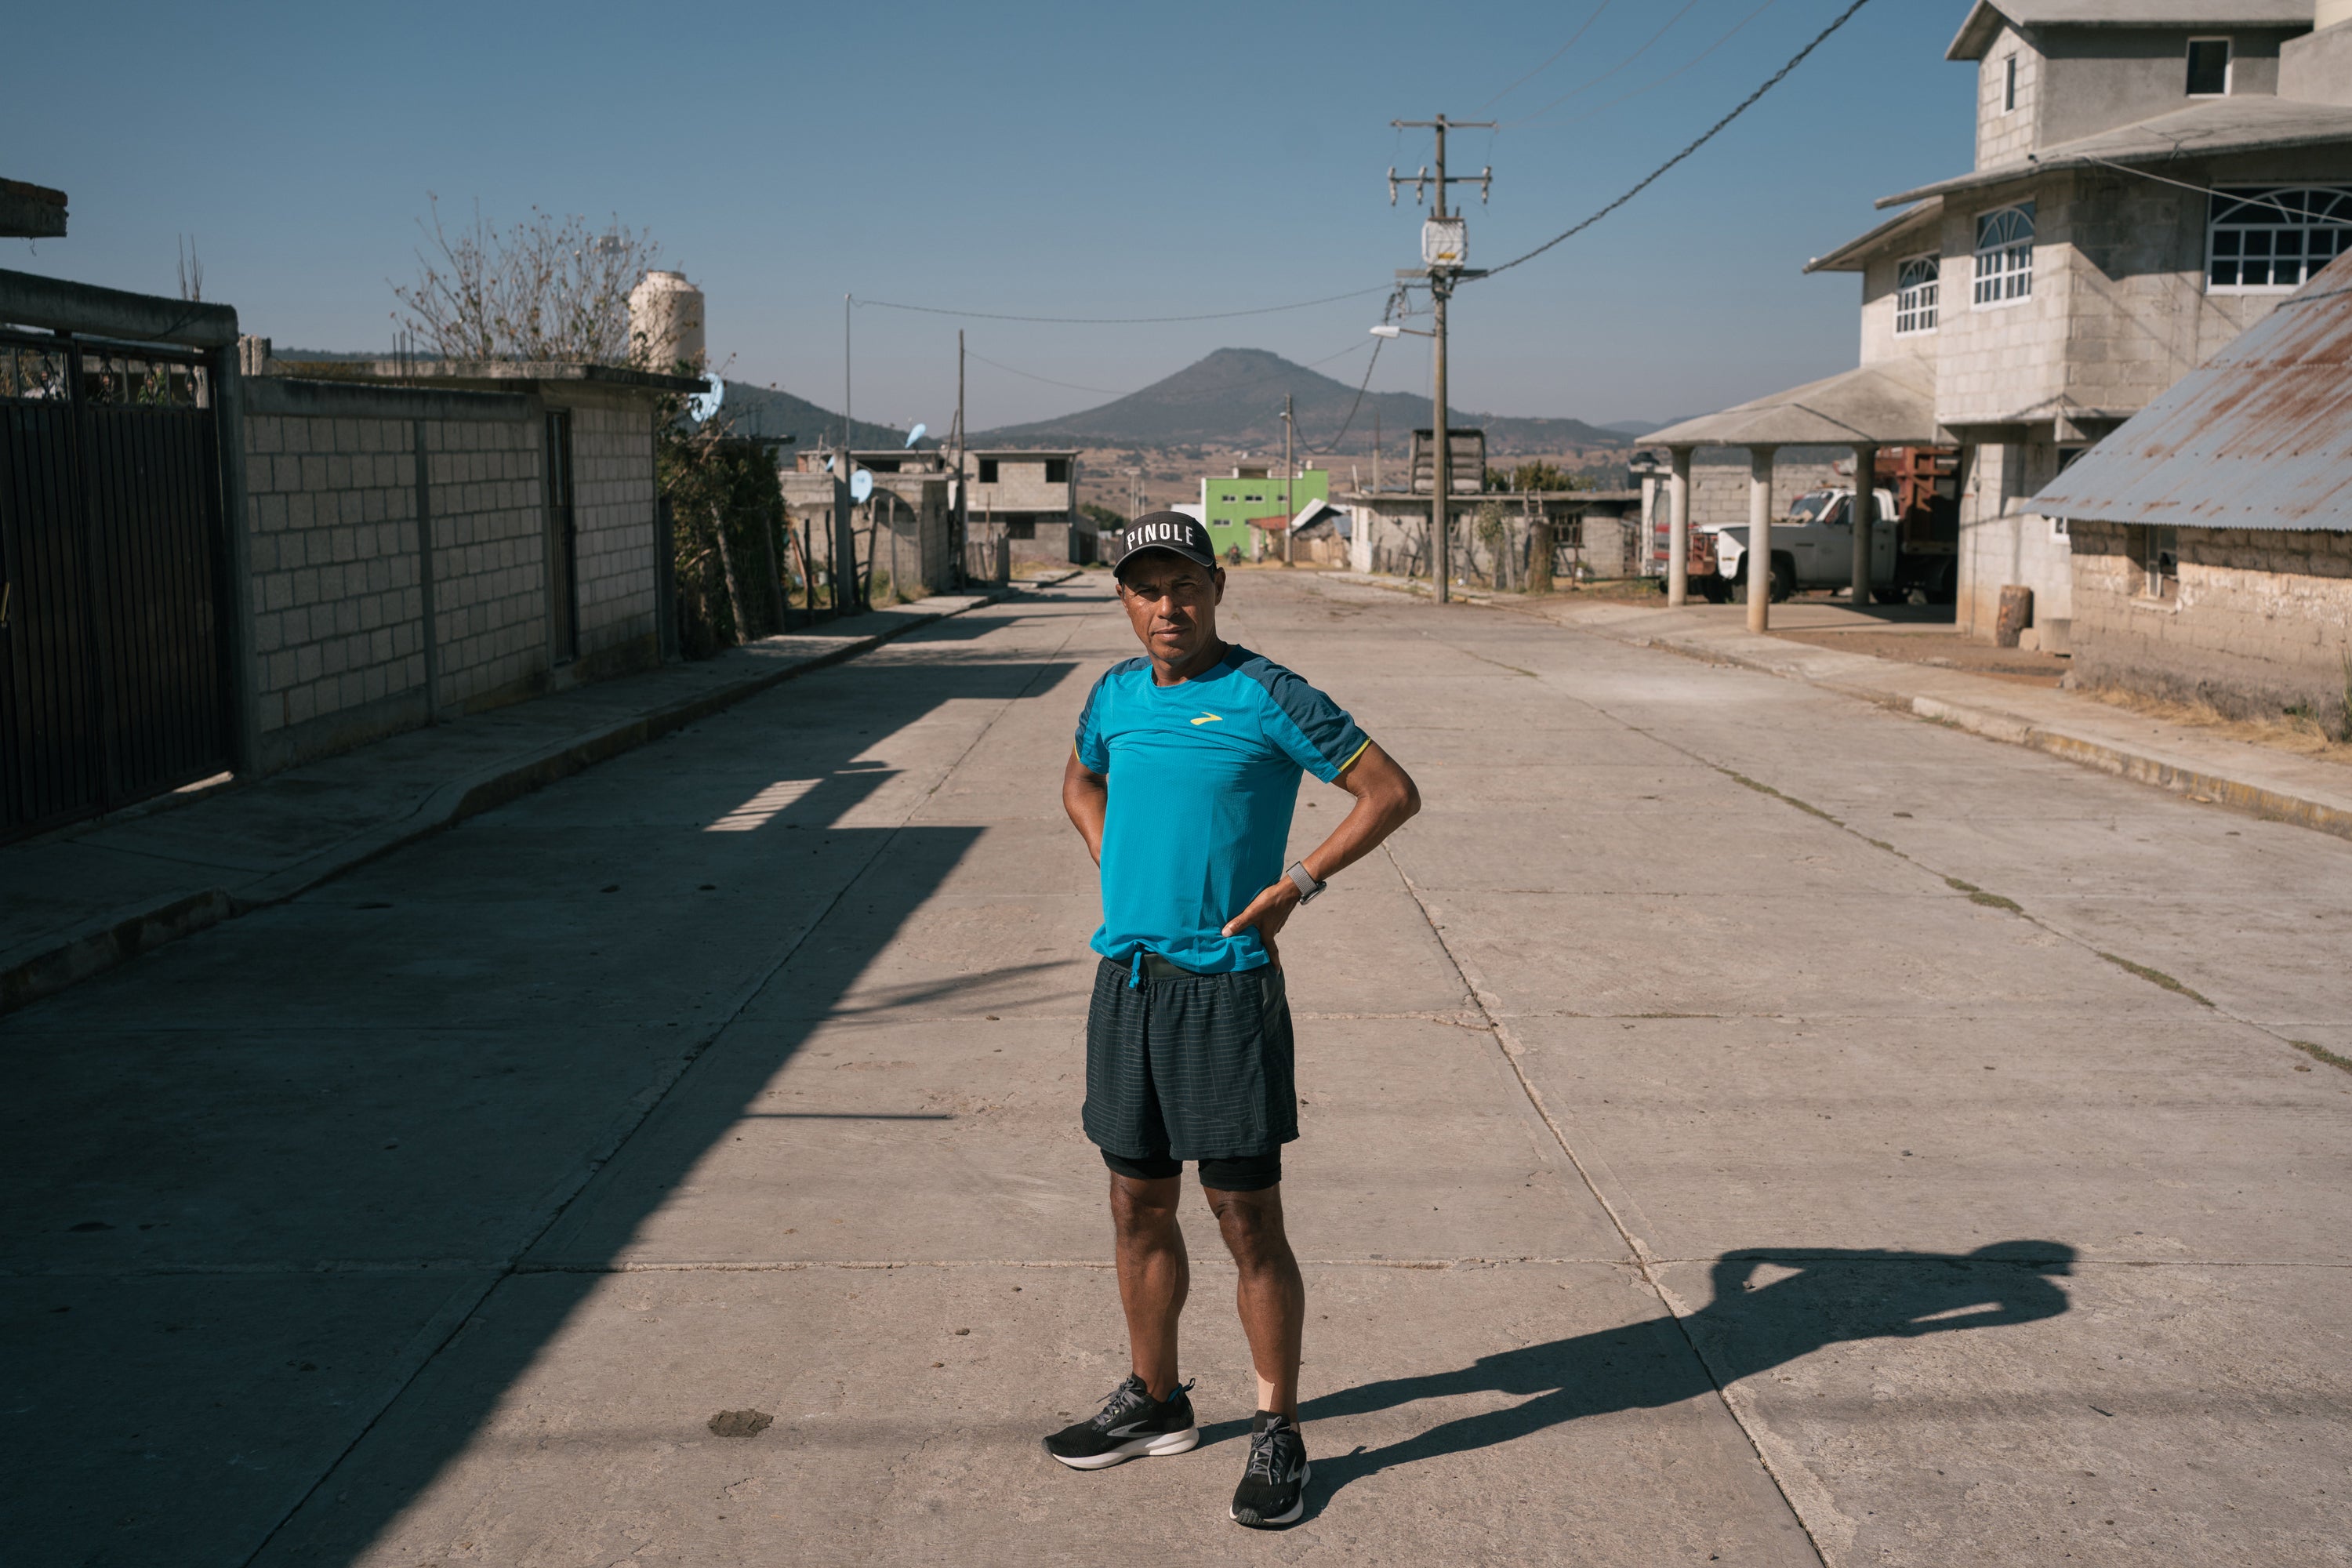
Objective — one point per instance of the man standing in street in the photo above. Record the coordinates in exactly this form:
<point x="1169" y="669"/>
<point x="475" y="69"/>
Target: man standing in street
<point x="1182" y="782"/>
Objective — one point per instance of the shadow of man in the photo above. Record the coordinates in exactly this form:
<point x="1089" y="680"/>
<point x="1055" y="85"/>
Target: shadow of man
<point x="1828" y="1297"/>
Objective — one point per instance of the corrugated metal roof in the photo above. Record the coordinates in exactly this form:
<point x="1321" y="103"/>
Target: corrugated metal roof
<point x="2260" y="436"/>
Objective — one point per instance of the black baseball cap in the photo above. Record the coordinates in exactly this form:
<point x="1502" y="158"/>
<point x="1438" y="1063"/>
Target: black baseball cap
<point x="1171" y="531"/>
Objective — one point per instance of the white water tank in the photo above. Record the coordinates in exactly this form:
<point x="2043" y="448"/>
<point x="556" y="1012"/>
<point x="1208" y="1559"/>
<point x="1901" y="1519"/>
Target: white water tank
<point x="666" y="322"/>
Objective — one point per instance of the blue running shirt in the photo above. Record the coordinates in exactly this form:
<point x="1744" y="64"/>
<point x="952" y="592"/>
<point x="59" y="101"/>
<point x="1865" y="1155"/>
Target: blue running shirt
<point x="1203" y="777"/>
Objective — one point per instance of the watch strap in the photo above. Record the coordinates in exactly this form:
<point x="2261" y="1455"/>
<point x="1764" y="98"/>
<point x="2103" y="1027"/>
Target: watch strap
<point x="1303" y="881"/>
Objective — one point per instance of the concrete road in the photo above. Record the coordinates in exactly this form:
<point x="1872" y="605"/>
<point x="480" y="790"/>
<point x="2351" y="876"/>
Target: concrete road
<point x="1739" y="1126"/>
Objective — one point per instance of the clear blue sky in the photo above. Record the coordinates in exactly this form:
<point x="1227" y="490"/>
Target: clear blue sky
<point x="1050" y="159"/>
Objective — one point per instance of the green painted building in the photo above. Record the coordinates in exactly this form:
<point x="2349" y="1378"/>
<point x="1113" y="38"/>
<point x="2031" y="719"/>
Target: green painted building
<point x="1229" y="502"/>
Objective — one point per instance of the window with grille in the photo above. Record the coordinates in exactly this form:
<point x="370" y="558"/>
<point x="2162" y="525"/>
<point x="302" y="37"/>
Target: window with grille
<point x="1915" y="296"/>
<point x="1057" y="471"/>
<point x="2274" y="239"/>
<point x="988" y="470"/>
<point x="2004" y="259"/>
<point x="1020" y="528"/>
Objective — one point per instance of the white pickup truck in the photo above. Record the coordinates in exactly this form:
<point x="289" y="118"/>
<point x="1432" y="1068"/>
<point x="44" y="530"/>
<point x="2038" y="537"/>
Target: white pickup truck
<point x="1812" y="547"/>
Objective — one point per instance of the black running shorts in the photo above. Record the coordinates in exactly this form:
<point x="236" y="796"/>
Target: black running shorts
<point x="1188" y="1067"/>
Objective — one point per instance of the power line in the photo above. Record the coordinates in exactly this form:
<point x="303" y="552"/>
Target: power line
<point x="1124" y="321"/>
<point x="1334" y="446"/>
<point x="1547" y="58"/>
<point x="1706" y="136"/>
<point x="1612" y="71"/>
<point x="1599" y="110"/>
<point x="1049" y="381"/>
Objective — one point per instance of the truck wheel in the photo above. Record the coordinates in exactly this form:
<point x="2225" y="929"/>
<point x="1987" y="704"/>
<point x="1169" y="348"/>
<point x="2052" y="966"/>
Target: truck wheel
<point x="1784" y="577"/>
<point x="1894" y="594"/>
<point x="1735" y="590"/>
<point x="1946" y="588"/>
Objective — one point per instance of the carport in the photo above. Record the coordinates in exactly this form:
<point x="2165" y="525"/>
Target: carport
<point x="1890" y="404"/>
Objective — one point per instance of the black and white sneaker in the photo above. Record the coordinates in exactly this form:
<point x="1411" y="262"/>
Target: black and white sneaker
<point x="1274" y="1484"/>
<point x="1131" y="1424"/>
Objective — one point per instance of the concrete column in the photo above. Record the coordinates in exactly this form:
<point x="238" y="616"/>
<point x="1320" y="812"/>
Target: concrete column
<point x="1760" y="538"/>
<point x="1678" y="483"/>
<point x="1864" y="513"/>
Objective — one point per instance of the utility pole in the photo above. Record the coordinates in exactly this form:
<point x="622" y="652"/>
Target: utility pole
<point x="1444" y="248"/>
<point x="1289" y="471"/>
<point x="1376" y="447"/>
<point x="963" y="498"/>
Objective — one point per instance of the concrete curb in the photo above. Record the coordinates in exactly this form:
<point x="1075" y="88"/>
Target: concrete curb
<point x="2197" y="778"/>
<point x="62" y="959"/>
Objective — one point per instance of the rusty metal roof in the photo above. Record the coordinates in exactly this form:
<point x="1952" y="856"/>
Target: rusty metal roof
<point x="2260" y="436"/>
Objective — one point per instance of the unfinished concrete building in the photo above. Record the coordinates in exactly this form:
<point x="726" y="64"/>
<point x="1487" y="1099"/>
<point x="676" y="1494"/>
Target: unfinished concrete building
<point x="2151" y="178"/>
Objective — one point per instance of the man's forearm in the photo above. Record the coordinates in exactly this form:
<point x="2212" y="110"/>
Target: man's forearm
<point x="1086" y="798"/>
<point x="1368" y="822"/>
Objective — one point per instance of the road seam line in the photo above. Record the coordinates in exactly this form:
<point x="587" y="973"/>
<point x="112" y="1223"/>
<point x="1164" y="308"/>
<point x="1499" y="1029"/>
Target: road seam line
<point x="1643" y="1259"/>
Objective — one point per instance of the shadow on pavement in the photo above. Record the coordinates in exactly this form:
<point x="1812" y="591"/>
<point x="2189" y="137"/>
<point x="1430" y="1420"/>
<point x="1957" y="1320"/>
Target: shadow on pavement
<point x="254" y="1183"/>
<point x="1833" y="1296"/>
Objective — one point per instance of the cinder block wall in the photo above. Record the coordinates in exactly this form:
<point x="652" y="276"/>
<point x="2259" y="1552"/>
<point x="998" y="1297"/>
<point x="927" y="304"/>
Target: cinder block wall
<point x="355" y="630"/>
<point x="613" y="550"/>
<point x="489" y="515"/>
<point x="2003" y="541"/>
<point x="337" y="605"/>
<point x="1720" y="484"/>
<point x="2260" y="623"/>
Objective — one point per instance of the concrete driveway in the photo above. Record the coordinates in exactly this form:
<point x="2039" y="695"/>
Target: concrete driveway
<point x="1740" y="1125"/>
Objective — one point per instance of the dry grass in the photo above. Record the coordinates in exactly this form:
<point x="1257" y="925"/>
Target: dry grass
<point x="2302" y="735"/>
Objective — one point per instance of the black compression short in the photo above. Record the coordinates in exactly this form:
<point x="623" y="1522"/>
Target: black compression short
<point x="1249" y="1173"/>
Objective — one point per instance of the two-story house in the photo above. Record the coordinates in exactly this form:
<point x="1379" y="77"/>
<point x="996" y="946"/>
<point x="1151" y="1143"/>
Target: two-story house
<point x="2151" y="177"/>
<point x="1030" y="499"/>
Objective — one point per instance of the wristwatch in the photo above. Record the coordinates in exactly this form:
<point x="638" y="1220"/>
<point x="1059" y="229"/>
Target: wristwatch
<point x="1303" y="881"/>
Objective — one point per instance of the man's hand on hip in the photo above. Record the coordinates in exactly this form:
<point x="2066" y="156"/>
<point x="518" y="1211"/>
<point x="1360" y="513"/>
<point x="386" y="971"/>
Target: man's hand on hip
<point x="1267" y="913"/>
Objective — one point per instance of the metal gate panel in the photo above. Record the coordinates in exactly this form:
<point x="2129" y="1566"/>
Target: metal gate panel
<point x="51" y="731"/>
<point x="115" y="682"/>
<point x="154" y="484"/>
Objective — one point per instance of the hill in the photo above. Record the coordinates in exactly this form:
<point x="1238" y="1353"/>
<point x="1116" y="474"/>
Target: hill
<point x="1233" y="399"/>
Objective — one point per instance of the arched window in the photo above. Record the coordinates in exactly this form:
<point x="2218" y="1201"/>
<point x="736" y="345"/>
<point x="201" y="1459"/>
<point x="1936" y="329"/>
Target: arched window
<point x="2005" y="254"/>
<point x="1915" y="296"/>
<point x="2264" y="240"/>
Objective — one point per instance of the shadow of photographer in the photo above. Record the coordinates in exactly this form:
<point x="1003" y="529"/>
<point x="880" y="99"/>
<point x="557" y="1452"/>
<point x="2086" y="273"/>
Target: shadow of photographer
<point x="1827" y="1296"/>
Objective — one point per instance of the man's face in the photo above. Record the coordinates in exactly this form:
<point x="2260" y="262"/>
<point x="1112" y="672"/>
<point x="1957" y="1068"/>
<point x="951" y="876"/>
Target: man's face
<point x="1172" y="603"/>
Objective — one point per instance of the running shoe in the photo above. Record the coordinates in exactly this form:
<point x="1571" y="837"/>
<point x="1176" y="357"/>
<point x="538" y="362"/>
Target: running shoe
<point x="1274" y="1483"/>
<point x="1131" y="1424"/>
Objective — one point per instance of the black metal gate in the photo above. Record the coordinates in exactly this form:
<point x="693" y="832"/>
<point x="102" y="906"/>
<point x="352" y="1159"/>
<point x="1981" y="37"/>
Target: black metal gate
<point x="114" y="677"/>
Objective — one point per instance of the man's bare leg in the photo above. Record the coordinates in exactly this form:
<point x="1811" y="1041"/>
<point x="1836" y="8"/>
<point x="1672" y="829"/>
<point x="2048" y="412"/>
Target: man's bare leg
<point x="1154" y="1275"/>
<point x="1271" y="1294"/>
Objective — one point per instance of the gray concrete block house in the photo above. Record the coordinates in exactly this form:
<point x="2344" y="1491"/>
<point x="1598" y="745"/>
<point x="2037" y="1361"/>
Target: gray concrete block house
<point x="2151" y="178"/>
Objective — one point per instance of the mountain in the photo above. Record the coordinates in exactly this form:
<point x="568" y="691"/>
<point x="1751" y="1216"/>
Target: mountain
<point x="765" y="411"/>
<point x="1233" y="399"/>
<point x="1637" y="428"/>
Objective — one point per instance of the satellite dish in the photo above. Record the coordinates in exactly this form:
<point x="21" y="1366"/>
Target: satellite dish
<point x="705" y="403"/>
<point x="861" y="485"/>
<point x="916" y="434"/>
<point x="828" y="462"/>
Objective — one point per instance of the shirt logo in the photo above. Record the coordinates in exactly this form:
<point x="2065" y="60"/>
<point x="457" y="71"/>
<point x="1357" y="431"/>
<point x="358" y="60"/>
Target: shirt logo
<point x="1208" y="717"/>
